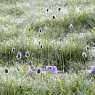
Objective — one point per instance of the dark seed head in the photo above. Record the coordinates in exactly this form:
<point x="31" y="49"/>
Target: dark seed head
<point x="6" y="70"/>
<point x="38" y="71"/>
<point x="20" y="86"/>
<point x="30" y="62"/>
<point x="39" y="43"/>
<point x="47" y="10"/>
<point x="27" y="54"/>
<point x="40" y="30"/>
<point x="60" y="39"/>
<point x="29" y="29"/>
<point x="59" y="9"/>
<point x="19" y="55"/>
<point x="50" y="68"/>
<point x="13" y="50"/>
<point x="53" y="17"/>
<point x="41" y="46"/>
<point x="93" y="57"/>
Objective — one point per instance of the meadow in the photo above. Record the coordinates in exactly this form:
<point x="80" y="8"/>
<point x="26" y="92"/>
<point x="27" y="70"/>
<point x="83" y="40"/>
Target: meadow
<point x="54" y="32"/>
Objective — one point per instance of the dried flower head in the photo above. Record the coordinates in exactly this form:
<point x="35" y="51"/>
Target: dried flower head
<point x="71" y="26"/>
<point x="92" y="43"/>
<point x="19" y="55"/>
<point x="41" y="46"/>
<point x="87" y="47"/>
<point x="27" y="54"/>
<point x="47" y="10"/>
<point x="30" y="62"/>
<point x="53" y="17"/>
<point x="38" y="71"/>
<point x="39" y="42"/>
<point x="6" y="70"/>
<point x="59" y="9"/>
<point x="17" y="66"/>
<point x="84" y="55"/>
<point x="20" y="87"/>
<point x="29" y="29"/>
<point x="13" y="50"/>
<point x="40" y="29"/>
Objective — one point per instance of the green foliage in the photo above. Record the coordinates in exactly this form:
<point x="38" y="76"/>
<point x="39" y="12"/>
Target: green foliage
<point x="53" y="29"/>
<point x="49" y="85"/>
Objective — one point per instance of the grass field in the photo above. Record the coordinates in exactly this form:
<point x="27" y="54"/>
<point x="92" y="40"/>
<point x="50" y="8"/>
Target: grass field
<point x="59" y="32"/>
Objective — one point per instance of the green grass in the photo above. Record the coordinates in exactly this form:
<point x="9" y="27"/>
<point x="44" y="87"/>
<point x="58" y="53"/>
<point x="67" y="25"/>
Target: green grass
<point x="71" y="84"/>
<point x="61" y="45"/>
<point x="56" y="53"/>
<point x="52" y="29"/>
